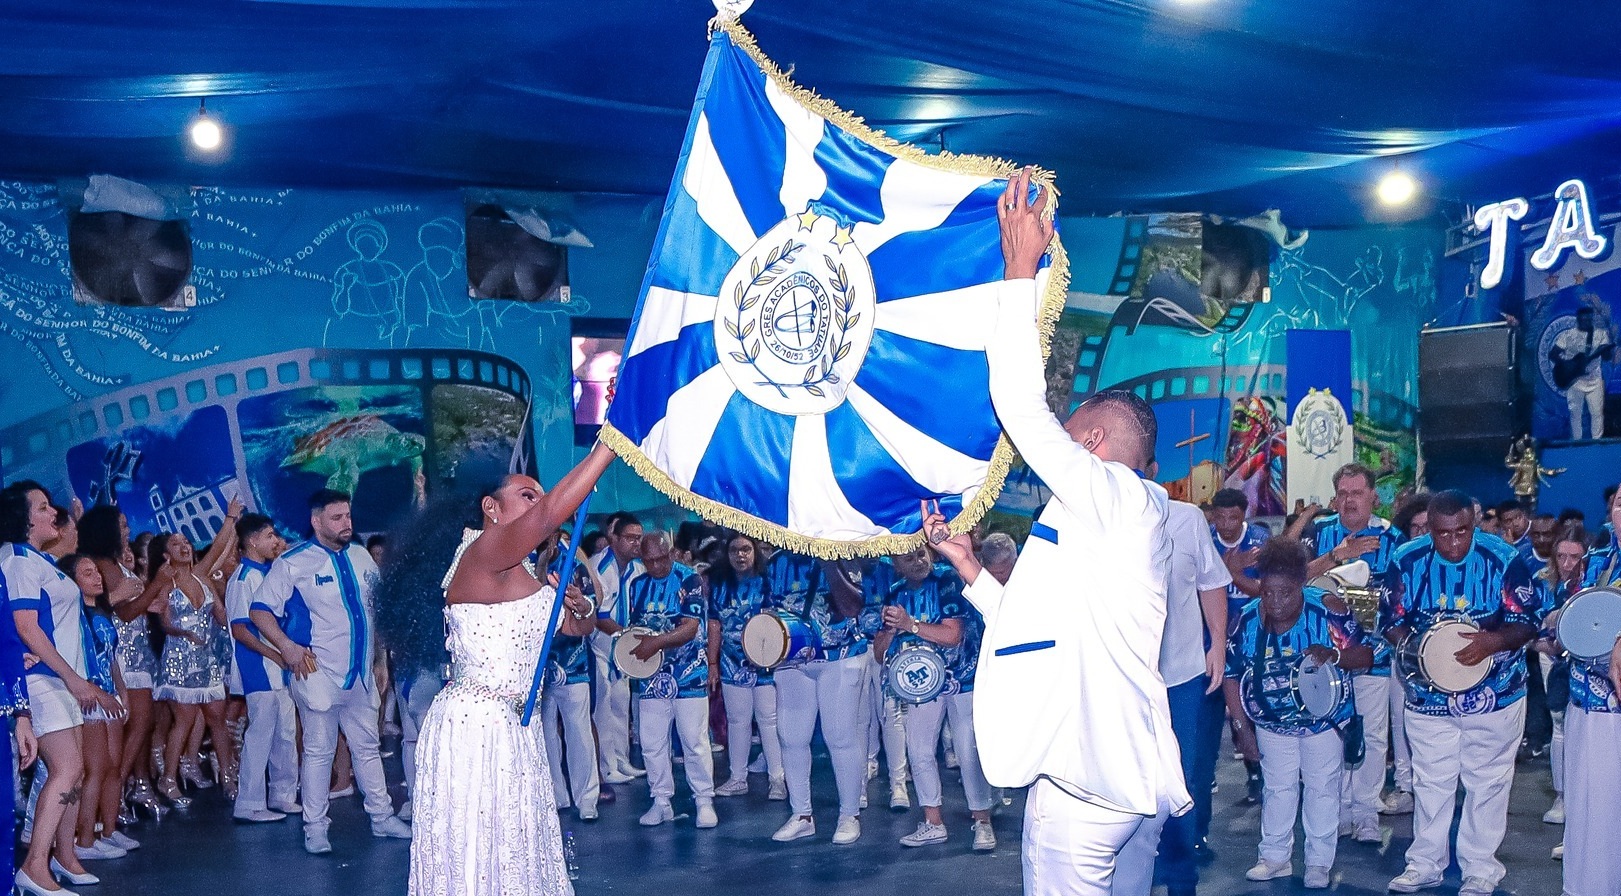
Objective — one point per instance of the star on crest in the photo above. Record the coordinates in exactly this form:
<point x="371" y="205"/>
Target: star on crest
<point x="842" y="238"/>
<point x="1580" y="277"/>
<point x="1552" y="280"/>
<point x="807" y="219"/>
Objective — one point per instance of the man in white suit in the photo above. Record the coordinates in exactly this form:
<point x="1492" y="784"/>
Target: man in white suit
<point x="1069" y="694"/>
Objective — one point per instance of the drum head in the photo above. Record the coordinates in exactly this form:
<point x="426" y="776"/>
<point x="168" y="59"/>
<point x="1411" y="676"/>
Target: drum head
<point x="1437" y="662"/>
<point x="765" y="640"/>
<point x="916" y="674"/>
<point x="1321" y="689"/>
<point x="627" y="662"/>
<point x="1590" y="622"/>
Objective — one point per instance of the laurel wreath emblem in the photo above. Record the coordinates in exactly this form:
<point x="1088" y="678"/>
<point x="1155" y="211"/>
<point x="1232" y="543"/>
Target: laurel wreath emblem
<point x="776" y="264"/>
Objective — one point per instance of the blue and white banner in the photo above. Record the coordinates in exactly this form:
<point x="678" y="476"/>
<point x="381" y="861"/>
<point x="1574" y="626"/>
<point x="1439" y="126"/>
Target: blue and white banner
<point x="1321" y="431"/>
<point x="808" y="356"/>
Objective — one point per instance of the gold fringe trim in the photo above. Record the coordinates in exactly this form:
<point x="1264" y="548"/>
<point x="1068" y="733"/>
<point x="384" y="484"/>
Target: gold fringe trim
<point x="1049" y="311"/>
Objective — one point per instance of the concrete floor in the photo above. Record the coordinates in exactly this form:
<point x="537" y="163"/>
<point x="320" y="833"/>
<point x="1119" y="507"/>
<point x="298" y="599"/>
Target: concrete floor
<point x="201" y="853"/>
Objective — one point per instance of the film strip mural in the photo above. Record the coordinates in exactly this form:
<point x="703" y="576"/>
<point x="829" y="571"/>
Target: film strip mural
<point x="386" y="425"/>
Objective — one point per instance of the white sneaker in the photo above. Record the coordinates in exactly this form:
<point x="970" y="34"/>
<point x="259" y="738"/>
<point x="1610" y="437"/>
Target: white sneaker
<point x="872" y="769"/>
<point x="1347" y="828"/>
<point x="848" y="831"/>
<point x="863" y="804"/>
<point x="341" y="793"/>
<point x="1316" y="877"/>
<point x="1559" y="853"/>
<point x="984" y="837"/>
<point x="1411" y="880"/>
<point x="100" y="849"/>
<point x="951" y="759"/>
<point x="706" y="814"/>
<point x="734" y="787"/>
<point x="123" y="841"/>
<point x="294" y="807"/>
<point x="796" y="828"/>
<point x="316" y="843"/>
<point x="617" y="777"/>
<point x="1368" y="832"/>
<point x="1477" y="886"/>
<point x="899" y="800"/>
<point x="779" y="789"/>
<point x="257" y="816"/>
<point x="658" y="814"/>
<point x="925" y="835"/>
<point x="1264" y="870"/>
<point x="633" y="771"/>
<point x="405" y="811"/>
<point x="588" y="813"/>
<point x="1556" y="812"/>
<point x="1400" y="802"/>
<point x="391" y="827"/>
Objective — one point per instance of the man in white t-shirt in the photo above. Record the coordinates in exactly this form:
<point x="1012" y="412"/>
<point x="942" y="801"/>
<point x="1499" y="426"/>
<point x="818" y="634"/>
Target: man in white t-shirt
<point x="1587" y="391"/>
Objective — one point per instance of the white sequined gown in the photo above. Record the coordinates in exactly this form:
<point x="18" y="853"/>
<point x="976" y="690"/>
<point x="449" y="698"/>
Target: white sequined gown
<point x="485" y="816"/>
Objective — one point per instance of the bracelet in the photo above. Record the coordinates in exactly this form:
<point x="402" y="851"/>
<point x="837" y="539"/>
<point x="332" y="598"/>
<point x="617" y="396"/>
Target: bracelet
<point x="1336" y="660"/>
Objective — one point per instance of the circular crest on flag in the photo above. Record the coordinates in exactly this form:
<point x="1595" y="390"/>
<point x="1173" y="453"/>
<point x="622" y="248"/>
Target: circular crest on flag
<point x="1319" y="423"/>
<point x="796" y="314"/>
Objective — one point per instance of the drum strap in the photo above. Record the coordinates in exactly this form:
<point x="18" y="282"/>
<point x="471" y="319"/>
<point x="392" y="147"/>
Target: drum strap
<point x="1267" y="641"/>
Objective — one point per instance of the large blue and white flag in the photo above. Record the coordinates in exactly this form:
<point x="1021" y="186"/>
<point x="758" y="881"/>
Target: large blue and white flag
<point x="808" y="356"/>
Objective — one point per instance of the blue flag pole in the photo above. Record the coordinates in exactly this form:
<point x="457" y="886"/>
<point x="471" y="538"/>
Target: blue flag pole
<point x="564" y="573"/>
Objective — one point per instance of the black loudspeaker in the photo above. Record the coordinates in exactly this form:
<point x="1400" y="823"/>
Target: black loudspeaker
<point x="1467" y="392"/>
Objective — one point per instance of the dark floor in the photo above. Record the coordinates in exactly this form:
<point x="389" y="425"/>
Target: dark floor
<point x="201" y="852"/>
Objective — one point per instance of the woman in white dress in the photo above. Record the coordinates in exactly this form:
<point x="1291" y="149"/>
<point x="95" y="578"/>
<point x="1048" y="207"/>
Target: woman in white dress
<point x="485" y="815"/>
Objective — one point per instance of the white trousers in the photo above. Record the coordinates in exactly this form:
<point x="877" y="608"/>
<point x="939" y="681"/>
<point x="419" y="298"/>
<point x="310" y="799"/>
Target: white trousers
<point x="885" y="729"/>
<point x="690" y="718"/>
<point x="1072" y="848"/>
<point x="745" y="707"/>
<point x="836" y="693"/>
<point x="1577" y="397"/>
<point x="923" y="724"/>
<point x="325" y="710"/>
<point x="1478" y="751"/>
<point x="1291" y="763"/>
<point x="1399" y="747"/>
<point x="612" y="715"/>
<point x="413" y="707"/>
<point x="1592" y="803"/>
<point x="269" y="750"/>
<point x="1362" y="787"/>
<point x="569" y="706"/>
<point x="1556" y="744"/>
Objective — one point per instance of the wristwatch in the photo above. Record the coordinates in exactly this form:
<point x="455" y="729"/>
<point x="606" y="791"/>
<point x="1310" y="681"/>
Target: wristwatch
<point x="914" y="626"/>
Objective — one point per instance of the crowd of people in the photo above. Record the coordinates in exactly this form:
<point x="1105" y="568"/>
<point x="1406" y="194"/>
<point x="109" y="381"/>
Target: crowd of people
<point x="140" y="670"/>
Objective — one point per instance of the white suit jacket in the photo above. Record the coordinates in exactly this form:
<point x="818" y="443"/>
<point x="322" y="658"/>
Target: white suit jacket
<point x="1068" y="684"/>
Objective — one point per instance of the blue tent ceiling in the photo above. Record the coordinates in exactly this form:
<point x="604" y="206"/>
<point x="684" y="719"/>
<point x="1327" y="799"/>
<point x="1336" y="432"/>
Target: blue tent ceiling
<point x="1224" y="105"/>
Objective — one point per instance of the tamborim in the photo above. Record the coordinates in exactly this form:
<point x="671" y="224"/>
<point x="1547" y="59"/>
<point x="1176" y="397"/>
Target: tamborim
<point x="1430" y="657"/>
<point x="1590" y="622"/>
<point x="624" y="643"/>
<point x="916" y="674"/>
<point x="773" y="639"/>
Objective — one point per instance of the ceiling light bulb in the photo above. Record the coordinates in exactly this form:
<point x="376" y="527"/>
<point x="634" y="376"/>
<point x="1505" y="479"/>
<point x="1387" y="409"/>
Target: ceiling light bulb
<point x="205" y="133"/>
<point x="1397" y="188"/>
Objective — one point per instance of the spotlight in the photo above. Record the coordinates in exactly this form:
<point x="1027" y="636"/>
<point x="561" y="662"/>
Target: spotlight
<point x="1397" y="187"/>
<point x="205" y="131"/>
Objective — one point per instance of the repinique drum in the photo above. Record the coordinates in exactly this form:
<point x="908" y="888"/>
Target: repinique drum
<point x="1294" y="686"/>
<point x="916" y="674"/>
<point x="1320" y="690"/>
<point x="1590" y="622"/>
<point x="624" y="643"/>
<point x="773" y="639"/>
<point x="1430" y="657"/>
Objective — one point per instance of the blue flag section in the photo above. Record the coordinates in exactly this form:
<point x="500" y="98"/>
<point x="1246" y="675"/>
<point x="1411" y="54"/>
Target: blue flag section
<point x="1321" y="434"/>
<point x="807" y="360"/>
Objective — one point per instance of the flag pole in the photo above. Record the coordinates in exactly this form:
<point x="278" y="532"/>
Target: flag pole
<point x="564" y="573"/>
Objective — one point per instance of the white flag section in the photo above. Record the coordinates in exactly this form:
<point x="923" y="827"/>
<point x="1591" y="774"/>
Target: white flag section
<point x="807" y="361"/>
<point x="1320" y="442"/>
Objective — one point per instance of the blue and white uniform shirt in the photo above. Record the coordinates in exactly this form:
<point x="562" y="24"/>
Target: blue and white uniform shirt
<point x="931" y="601"/>
<point x="34" y="583"/>
<point x="1327" y="534"/>
<point x="798" y="584"/>
<point x="323" y="600"/>
<point x="662" y="604"/>
<point x="1489" y="587"/>
<point x="101" y="641"/>
<point x="1263" y="663"/>
<point x="732" y="603"/>
<point x="251" y="673"/>
<point x="1528" y="554"/>
<point x="570" y="658"/>
<point x="13" y="680"/>
<point x="1254" y="536"/>
<point x="1603" y="564"/>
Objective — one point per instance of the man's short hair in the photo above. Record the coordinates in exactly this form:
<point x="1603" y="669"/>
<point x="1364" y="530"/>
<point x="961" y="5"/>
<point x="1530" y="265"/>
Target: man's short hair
<point x="252" y="524"/>
<point x="1355" y="470"/>
<point x="326" y="497"/>
<point x="1609" y="494"/>
<point x="1571" y="515"/>
<point x="1230" y="497"/>
<point x="610" y="525"/>
<point x="1282" y="557"/>
<point x="1450" y="503"/>
<point x="1509" y="507"/>
<point x="625" y="519"/>
<point x="998" y="547"/>
<point x="1133" y="408"/>
<point x="657" y="536"/>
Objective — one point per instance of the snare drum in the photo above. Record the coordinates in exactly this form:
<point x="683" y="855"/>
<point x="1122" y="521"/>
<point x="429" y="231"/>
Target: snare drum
<point x="624" y="642"/>
<point x="1590" y="622"/>
<point x="1430" y="658"/>
<point x="772" y="639"/>
<point x="915" y="674"/>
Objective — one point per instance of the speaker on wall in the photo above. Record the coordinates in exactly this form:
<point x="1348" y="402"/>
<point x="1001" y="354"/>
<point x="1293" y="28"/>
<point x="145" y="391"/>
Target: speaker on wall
<point x="1467" y="391"/>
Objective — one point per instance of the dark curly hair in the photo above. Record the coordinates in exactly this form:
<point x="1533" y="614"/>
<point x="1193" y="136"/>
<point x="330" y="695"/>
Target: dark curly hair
<point x="1283" y="557"/>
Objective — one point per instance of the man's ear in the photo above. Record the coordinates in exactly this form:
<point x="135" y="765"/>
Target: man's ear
<point x="1153" y="470"/>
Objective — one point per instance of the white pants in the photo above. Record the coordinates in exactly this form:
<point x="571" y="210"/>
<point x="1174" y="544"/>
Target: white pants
<point x="1362" y="787"/>
<point x="690" y="717"/>
<point x="1402" y="751"/>
<point x="1556" y="744"/>
<point x="837" y="693"/>
<point x="745" y="707"/>
<point x="569" y="705"/>
<point x="885" y="729"/>
<point x="1479" y="751"/>
<point x="325" y="710"/>
<point x="1577" y="397"/>
<point x="1592" y="804"/>
<point x="269" y="747"/>
<point x="612" y="716"/>
<point x="1072" y="848"/>
<point x="413" y="707"/>
<point x="1290" y="763"/>
<point x="923" y="723"/>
